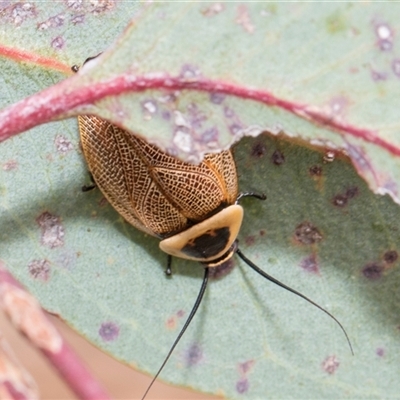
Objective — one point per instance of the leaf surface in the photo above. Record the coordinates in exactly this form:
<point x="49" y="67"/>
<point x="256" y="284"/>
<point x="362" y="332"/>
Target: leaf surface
<point x="106" y="278"/>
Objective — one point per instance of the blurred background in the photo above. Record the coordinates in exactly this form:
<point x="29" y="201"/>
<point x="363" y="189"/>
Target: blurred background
<point x="120" y="381"/>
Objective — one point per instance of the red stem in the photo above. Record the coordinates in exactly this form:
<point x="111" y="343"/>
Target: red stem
<point x="66" y="96"/>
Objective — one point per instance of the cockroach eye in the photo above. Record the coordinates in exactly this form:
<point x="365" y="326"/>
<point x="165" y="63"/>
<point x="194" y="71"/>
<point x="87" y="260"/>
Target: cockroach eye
<point x="192" y="209"/>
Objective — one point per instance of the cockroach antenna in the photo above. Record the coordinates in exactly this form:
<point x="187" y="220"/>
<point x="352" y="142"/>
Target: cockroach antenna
<point x="282" y="285"/>
<point x="189" y="319"/>
<point x="199" y="298"/>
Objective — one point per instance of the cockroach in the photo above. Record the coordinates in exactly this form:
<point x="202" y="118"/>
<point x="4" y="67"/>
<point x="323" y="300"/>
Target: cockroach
<point x="193" y="209"/>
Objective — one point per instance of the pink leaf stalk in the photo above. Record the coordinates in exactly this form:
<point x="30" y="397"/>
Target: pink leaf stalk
<point x="27" y="315"/>
<point x="69" y="97"/>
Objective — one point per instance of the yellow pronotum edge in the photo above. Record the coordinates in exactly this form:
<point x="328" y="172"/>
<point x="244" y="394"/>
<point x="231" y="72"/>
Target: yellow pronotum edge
<point x="230" y="216"/>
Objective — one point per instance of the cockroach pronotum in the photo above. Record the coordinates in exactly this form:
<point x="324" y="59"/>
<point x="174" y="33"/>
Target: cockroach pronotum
<point x="193" y="209"/>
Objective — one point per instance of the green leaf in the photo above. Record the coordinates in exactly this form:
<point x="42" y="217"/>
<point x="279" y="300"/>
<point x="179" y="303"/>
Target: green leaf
<point x="321" y="231"/>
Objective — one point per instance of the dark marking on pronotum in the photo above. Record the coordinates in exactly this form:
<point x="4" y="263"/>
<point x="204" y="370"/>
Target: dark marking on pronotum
<point x="278" y="158"/>
<point x="307" y="233"/>
<point x="373" y="271"/>
<point x="209" y="244"/>
<point x="109" y="331"/>
<point x="39" y="269"/>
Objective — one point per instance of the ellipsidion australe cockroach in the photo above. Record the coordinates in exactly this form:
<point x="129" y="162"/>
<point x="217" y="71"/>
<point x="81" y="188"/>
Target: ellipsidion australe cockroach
<point x="193" y="209"/>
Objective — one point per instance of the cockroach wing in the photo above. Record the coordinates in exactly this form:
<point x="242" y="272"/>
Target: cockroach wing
<point x="197" y="191"/>
<point x="153" y="191"/>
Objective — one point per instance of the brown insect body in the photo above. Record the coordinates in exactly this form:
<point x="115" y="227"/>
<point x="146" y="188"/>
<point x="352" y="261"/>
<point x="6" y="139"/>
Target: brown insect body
<point x="163" y="196"/>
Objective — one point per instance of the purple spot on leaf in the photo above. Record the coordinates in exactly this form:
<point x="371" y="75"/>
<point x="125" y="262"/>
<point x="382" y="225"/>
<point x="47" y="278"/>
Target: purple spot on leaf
<point x="373" y="271"/>
<point x="378" y="76"/>
<point x="78" y="19"/>
<point x="52" y="231"/>
<point x="310" y="264"/>
<point x="259" y="150"/>
<point x="57" y="43"/>
<point x="63" y="145"/>
<point x="380" y="352"/>
<point x="250" y="240"/>
<point x="235" y="128"/>
<point x="52" y="22"/>
<point x="396" y="67"/>
<point x="385" y="45"/>
<point x="193" y="355"/>
<point x="39" y="269"/>
<point x="228" y="112"/>
<point x="166" y="115"/>
<point x="307" y="233"/>
<point x="242" y="386"/>
<point x="189" y="73"/>
<point x="315" y="170"/>
<point x="385" y="36"/>
<point x="10" y="165"/>
<point x="217" y="98"/>
<point x="99" y="7"/>
<point x="109" y="331"/>
<point x="278" y="158"/>
<point x="246" y="366"/>
<point x="196" y="116"/>
<point x="390" y="256"/>
<point x="19" y="12"/>
<point x="74" y="4"/>
<point x="210" y="135"/>
<point x="330" y="364"/>
<point x="339" y="200"/>
<point x="222" y="269"/>
<point x="352" y="192"/>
